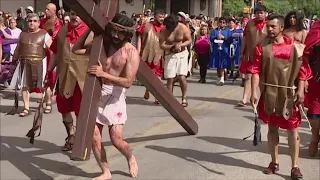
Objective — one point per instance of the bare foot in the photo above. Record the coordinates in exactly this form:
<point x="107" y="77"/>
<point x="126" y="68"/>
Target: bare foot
<point x="133" y="167"/>
<point x="104" y="176"/>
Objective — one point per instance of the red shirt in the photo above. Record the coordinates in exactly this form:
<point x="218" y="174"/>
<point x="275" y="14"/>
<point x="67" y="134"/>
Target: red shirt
<point x="72" y="36"/>
<point x="157" y="28"/>
<point x="259" y="24"/>
<point x="281" y="51"/>
<point x="57" y="25"/>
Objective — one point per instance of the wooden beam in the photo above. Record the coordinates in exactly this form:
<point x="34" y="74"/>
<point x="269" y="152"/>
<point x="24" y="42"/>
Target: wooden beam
<point x="95" y="17"/>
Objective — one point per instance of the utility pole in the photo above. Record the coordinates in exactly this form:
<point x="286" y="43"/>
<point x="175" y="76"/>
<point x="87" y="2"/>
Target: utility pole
<point x="252" y="7"/>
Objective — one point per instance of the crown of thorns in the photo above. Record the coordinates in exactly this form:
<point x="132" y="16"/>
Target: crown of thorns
<point x="120" y="27"/>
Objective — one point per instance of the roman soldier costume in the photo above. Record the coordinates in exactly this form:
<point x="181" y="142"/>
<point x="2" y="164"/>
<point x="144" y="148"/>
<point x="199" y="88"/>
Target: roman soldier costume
<point x="71" y="70"/>
<point x="254" y="33"/>
<point x="151" y="52"/>
<point x="52" y="25"/>
<point x="279" y="66"/>
<point x="312" y="54"/>
<point x="31" y="53"/>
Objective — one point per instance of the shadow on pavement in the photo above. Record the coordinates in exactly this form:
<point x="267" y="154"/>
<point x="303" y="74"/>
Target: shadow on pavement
<point x="304" y="138"/>
<point x="93" y="175"/>
<point x="29" y="162"/>
<point x="150" y="138"/>
<point x="140" y="101"/>
<point x="217" y="158"/>
<point x="7" y="108"/>
<point x="214" y="99"/>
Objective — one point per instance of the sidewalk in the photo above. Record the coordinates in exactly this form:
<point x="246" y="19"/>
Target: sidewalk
<point x="161" y="146"/>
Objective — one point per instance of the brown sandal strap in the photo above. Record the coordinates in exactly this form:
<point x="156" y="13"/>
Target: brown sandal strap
<point x="271" y="169"/>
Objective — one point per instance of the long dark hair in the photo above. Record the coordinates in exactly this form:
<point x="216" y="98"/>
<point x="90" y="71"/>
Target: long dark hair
<point x="299" y="20"/>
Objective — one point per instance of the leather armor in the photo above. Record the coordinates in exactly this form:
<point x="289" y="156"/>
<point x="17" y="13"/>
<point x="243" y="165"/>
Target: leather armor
<point x="150" y="47"/>
<point x="279" y="72"/>
<point x="71" y="68"/>
<point x="31" y="46"/>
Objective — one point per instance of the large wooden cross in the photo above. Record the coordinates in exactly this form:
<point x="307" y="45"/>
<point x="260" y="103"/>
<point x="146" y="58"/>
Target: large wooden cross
<point x="95" y="16"/>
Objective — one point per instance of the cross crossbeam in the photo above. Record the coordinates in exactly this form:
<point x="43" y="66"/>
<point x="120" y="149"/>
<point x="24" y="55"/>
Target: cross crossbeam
<point x="95" y="16"/>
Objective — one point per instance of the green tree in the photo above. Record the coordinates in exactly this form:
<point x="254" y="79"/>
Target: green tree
<point x="232" y="7"/>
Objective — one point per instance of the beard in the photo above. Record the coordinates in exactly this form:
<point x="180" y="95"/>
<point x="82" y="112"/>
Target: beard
<point x="115" y="42"/>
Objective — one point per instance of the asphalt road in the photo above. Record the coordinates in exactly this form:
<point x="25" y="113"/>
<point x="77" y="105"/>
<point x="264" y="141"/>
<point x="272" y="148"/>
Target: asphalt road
<point x="161" y="146"/>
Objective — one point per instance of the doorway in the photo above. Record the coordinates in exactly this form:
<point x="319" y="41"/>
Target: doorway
<point x="180" y="5"/>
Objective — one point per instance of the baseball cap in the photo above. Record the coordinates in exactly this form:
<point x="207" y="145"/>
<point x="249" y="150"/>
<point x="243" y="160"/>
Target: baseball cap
<point x="30" y="8"/>
<point x="182" y="14"/>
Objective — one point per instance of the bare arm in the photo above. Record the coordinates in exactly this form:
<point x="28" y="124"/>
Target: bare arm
<point x="52" y="63"/>
<point x="255" y="83"/>
<point x="187" y="38"/>
<point x="162" y="41"/>
<point x="243" y="45"/>
<point x="0" y="51"/>
<point x="130" y="69"/>
<point x="80" y="47"/>
<point x="48" y="43"/>
<point x="5" y="34"/>
<point x="139" y="41"/>
<point x="304" y="35"/>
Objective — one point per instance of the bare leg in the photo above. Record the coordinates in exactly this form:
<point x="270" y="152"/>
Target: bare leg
<point x="26" y="102"/>
<point x="115" y="133"/>
<point x="48" y="95"/>
<point x="146" y="94"/>
<point x="100" y="153"/>
<point x="170" y="84"/>
<point x="294" y="143"/>
<point x="221" y="75"/>
<point x="48" y="101"/>
<point x="247" y="88"/>
<point x="183" y="85"/>
<point x="71" y="130"/>
<point x="313" y="147"/>
<point x="273" y="141"/>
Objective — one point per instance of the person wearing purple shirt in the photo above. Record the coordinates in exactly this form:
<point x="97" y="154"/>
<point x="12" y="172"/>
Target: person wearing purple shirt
<point x="5" y="33"/>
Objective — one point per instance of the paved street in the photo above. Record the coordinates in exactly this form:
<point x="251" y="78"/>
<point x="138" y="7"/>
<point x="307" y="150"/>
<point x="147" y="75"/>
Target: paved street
<point x="161" y="146"/>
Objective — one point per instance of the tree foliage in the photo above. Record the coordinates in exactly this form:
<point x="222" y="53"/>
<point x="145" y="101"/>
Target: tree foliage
<point x="310" y="7"/>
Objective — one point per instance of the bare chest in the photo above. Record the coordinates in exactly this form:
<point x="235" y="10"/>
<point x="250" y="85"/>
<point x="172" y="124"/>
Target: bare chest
<point x="115" y="63"/>
<point x="297" y="36"/>
<point x="175" y="36"/>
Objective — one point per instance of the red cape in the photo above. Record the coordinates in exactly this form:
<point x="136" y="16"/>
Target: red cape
<point x="313" y="36"/>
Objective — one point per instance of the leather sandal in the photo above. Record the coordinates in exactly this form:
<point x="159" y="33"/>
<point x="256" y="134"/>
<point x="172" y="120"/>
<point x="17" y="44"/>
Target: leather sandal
<point x="69" y="143"/>
<point x="48" y="110"/>
<point x="25" y="113"/>
<point x="184" y="102"/>
<point x="146" y="95"/>
<point x="271" y="169"/>
<point x="296" y="174"/>
<point x="241" y="104"/>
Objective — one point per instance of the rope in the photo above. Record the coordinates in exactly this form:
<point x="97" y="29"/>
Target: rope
<point x="279" y="86"/>
<point x="301" y="108"/>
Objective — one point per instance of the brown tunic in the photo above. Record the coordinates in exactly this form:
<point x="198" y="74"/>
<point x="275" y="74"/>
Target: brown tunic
<point x="71" y="68"/>
<point x="253" y="37"/>
<point x="278" y="79"/>
<point x="31" y="53"/>
<point x="150" y="46"/>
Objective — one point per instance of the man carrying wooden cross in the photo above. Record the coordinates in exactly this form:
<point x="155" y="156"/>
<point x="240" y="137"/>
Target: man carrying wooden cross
<point x="117" y="73"/>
